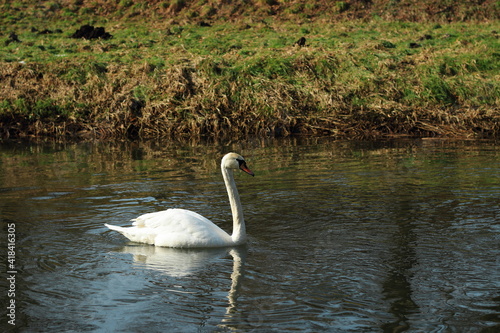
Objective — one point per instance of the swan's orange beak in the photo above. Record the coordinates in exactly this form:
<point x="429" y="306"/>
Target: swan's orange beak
<point x="243" y="166"/>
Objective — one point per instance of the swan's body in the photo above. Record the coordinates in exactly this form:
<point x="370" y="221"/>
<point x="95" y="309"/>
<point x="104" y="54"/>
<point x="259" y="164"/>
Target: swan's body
<point x="187" y="229"/>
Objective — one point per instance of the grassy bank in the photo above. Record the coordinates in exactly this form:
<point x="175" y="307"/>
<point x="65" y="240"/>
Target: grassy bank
<point x="365" y="78"/>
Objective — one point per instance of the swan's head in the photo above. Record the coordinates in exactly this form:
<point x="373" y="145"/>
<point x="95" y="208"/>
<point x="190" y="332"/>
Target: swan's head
<point x="235" y="161"/>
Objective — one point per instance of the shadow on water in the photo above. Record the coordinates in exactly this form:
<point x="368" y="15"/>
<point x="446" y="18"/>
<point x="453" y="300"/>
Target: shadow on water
<point x="398" y="287"/>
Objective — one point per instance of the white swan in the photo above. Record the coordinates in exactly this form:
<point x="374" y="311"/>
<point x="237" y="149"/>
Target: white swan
<point x="186" y="229"/>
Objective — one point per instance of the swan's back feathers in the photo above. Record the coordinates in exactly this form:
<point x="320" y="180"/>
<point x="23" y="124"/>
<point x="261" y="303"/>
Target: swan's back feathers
<point x="168" y="218"/>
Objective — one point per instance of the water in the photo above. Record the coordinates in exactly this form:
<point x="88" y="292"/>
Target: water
<point x="343" y="237"/>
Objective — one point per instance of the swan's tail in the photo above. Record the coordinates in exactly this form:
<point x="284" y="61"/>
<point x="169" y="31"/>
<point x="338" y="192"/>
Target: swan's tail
<point x="140" y="235"/>
<point x="115" y="228"/>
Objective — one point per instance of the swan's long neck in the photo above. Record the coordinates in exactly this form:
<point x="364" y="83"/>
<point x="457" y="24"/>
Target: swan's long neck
<point x="239" y="232"/>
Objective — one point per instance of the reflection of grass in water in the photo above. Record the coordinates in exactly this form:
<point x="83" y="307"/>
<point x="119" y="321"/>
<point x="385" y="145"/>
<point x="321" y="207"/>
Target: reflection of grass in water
<point x="355" y="79"/>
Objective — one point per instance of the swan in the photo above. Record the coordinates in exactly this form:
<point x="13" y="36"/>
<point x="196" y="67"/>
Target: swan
<point x="181" y="228"/>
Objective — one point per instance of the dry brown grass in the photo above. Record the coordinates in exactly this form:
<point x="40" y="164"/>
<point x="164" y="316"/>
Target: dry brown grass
<point x="184" y="101"/>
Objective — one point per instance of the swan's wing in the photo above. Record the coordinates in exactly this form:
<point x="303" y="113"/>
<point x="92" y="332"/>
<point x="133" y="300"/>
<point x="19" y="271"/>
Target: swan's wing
<point x="182" y="228"/>
<point x="175" y="228"/>
<point x="170" y="218"/>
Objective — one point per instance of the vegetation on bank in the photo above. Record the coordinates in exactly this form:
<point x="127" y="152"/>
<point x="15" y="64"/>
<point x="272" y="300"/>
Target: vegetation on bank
<point x="180" y="69"/>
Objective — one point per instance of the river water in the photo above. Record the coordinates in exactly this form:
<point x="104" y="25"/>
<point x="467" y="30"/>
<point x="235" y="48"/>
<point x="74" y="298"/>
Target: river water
<point x="343" y="237"/>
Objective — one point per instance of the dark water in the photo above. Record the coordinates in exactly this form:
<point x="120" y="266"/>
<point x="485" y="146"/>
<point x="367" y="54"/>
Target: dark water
<point x="343" y="237"/>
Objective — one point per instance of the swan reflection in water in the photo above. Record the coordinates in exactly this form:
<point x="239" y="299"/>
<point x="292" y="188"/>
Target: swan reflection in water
<point x="184" y="262"/>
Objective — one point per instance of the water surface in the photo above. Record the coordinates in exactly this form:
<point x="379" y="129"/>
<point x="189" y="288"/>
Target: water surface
<point x="343" y="237"/>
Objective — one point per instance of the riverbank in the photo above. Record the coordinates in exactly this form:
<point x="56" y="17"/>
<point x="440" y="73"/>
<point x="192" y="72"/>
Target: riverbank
<point x="207" y="76"/>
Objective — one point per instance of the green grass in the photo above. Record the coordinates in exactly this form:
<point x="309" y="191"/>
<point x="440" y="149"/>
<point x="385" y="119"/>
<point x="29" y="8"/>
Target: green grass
<point x="250" y="78"/>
